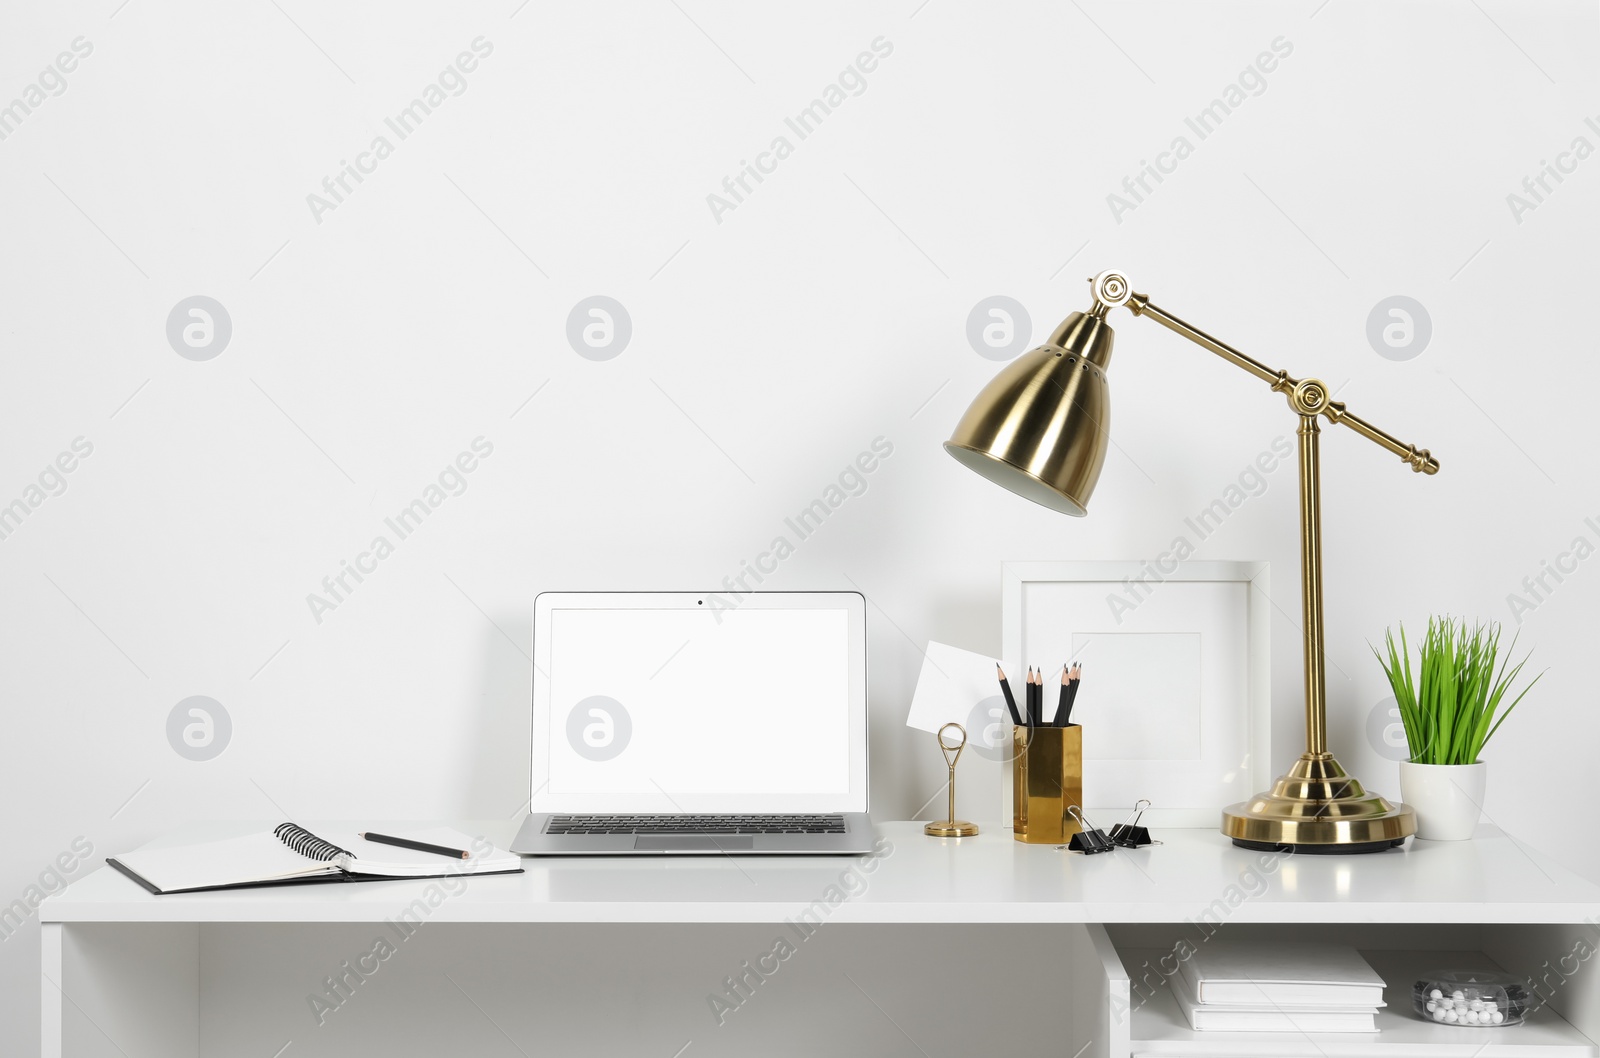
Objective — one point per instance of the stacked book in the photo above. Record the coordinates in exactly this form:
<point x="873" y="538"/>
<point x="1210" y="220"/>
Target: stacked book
<point x="1246" y="986"/>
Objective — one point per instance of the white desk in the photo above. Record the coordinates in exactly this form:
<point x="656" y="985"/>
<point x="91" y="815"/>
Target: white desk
<point x="130" y="963"/>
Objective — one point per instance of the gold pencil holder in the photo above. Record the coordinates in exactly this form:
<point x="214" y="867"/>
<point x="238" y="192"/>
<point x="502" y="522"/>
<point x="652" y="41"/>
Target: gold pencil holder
<point x="1046" y="780"/>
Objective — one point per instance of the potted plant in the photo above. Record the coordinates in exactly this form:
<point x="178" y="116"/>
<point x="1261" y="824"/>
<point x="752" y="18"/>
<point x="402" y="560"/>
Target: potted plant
<point x="1450" y="707"/>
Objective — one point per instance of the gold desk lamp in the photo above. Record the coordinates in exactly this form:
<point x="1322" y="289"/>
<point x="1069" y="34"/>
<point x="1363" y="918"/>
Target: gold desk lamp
<point x="1041" y="429"/>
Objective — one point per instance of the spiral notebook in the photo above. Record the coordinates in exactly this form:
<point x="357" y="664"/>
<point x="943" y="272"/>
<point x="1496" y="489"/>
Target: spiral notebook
<point x="291" y="854"/>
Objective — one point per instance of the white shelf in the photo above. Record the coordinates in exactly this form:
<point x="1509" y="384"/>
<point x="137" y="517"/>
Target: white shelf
<point x="1161" y="1031"/>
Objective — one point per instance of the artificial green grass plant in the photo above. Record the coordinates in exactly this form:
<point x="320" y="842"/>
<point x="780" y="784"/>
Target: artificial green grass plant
<point x="1450" y="708"/>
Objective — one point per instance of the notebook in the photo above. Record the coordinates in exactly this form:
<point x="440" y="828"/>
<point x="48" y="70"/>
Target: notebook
<point x="291" y="854"/>
<point x="1264" y="1018"/>
<point x="1262" y="973"/>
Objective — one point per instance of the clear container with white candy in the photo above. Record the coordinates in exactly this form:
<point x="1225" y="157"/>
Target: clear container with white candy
<point x="1483" y="999"/>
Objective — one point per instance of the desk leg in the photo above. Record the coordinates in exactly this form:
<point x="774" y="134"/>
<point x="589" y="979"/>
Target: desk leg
<point x="49" y="989"/>
<point x="136" y="985"/>
<point x="1104" y="1028"/>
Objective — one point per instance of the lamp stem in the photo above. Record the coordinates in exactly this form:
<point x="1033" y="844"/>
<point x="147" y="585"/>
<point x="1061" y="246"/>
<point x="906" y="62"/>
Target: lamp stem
<point x="1311" y="586"/>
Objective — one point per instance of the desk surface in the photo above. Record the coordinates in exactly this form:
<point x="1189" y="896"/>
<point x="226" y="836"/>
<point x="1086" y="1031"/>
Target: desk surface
<point x="990" y="878"/>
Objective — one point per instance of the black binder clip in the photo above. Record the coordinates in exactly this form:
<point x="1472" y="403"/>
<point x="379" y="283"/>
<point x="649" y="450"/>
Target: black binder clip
<point x="1089" y="840"/>
<point x="1131" y="835"/>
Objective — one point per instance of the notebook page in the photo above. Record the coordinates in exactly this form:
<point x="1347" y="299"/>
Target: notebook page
<point x="372" y="857"/>
<point x="232" y="861"/>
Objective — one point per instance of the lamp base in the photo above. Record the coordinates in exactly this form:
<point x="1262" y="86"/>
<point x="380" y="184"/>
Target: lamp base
<point x="1318" y="808"/>
<point x="950" y="828"/>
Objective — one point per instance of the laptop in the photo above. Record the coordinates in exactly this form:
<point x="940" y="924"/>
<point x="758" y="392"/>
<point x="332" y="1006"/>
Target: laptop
<point x="683" y="723"/>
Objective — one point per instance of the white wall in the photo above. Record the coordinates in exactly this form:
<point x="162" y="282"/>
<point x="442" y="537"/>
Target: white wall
<point x="769" y="345"/>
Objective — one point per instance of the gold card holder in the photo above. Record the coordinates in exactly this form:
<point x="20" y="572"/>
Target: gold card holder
<point x="950" y="826"/>
<point x="1046" y="780"/>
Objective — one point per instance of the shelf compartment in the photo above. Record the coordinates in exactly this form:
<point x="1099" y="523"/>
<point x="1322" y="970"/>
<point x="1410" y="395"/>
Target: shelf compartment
<point x="1160" y="1030"/>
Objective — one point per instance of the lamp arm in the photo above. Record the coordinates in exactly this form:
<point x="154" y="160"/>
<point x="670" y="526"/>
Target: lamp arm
<point x="1307" y="397"/>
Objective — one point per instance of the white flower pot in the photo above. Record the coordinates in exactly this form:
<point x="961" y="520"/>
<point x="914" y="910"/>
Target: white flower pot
<point x="1448" y="798"/>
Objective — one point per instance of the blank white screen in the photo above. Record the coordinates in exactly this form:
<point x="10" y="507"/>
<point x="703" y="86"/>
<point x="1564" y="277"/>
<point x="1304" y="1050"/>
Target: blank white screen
<point x="757" y="702"/>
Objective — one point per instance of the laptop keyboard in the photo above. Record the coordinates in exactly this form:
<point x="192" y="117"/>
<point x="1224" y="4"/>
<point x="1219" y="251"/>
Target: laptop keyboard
<point x="715" y="824"/>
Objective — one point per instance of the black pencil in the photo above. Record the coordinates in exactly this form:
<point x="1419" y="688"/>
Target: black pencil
<point x="1069" y="694"/>
<point x="419" y="846"/>
<point x="1035" y="700"/>
<point x="1011" y="701"/>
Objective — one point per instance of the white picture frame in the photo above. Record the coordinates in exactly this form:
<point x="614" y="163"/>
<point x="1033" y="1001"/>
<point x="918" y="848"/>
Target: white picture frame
<point x="1178" y="708"/>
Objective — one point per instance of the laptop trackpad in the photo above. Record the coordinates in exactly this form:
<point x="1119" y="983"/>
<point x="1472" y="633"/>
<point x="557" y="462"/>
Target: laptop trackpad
<point x="688" y="843"/>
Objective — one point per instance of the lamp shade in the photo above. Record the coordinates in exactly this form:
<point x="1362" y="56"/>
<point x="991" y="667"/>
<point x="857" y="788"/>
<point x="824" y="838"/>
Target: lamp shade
<point x="1041" y="427"/>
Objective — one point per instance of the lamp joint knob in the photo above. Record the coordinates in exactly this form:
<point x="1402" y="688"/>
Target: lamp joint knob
<point x="1310" y="397"/>
<point x="1111" y="288"/>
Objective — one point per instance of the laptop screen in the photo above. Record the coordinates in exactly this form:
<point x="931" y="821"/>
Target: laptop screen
<point x="685" y="708"/>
